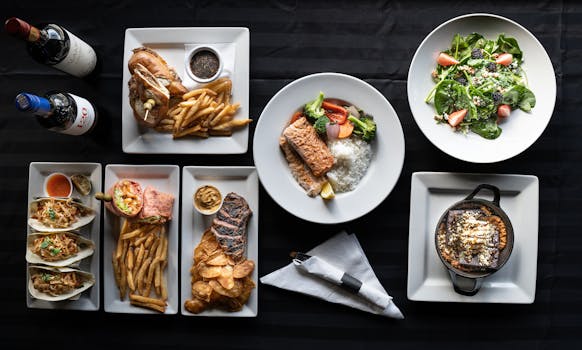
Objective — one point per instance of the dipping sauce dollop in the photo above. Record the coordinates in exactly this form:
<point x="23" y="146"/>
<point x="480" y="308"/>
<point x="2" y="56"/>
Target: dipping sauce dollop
<point x="207" y="199"/>
<point x="58" y="185"/>
<point x="204" y="64"/>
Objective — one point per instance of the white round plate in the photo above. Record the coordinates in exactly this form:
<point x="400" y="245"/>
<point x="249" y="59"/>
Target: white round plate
<point x="521" y="129"/>
<point x="384" y="170"/>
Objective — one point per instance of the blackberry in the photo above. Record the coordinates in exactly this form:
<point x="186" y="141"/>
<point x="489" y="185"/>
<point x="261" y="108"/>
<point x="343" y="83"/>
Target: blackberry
<point x="476" y="53"/>
<point x="497" y="97"/>
<point x="492" y="67"/>
<point x="461" y="80"/>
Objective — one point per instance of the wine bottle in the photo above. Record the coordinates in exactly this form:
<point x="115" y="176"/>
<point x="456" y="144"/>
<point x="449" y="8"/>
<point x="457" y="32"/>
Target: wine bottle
<point x="54" y="46"/>
<point x="59" y="111"/>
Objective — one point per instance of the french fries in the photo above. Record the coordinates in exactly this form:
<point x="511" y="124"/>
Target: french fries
<point x="139" y="262"/>
<point x="204" y="112"/>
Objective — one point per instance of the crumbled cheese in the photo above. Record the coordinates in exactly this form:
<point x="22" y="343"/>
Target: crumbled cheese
<point x="471" y="240"/>
<point x="467" y="69"/>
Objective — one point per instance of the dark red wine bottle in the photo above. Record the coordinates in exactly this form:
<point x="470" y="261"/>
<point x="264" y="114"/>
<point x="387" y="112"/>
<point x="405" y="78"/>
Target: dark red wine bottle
<point x="54" y="46"/>
<point x="59" y="111"/>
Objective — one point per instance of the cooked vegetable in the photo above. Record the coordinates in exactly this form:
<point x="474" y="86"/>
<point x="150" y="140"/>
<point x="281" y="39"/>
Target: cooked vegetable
<point x="345" y="130"/>
<point x="332" y="130"/>
<point x="365" y="127"/>
<point x="313" y="109"/>
<point x="334" y="112"/>
<point x="320" y="124"/>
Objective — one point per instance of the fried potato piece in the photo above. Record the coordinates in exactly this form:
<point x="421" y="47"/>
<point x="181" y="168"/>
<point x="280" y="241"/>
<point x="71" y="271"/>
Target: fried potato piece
<point x="204" y="108"/>
<point x="202" y="290"/>
<point x="214" y="278"/>
<point x="210" y="271"/>
<point x="218" y="258"/>
<point x="195" y="306"/>
<point x="243" y="269"/>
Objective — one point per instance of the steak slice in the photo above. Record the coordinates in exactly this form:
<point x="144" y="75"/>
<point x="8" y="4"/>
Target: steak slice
<point x="230" y="225"/>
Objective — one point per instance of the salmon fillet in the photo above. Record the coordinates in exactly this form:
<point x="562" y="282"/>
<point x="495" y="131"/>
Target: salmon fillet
<point x="300" y="171"/>
<point x="303" y="138"/>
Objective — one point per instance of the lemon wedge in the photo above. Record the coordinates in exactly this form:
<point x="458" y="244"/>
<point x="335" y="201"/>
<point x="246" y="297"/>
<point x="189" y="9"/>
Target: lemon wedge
<point x="327" y="191"/>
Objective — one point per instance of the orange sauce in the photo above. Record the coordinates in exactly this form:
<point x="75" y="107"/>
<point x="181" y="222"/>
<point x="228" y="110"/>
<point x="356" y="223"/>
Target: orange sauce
<point x="58" y="185"/>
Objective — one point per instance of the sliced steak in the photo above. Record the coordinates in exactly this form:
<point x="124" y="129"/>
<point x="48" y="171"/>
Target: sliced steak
<point x="230" y="225"/>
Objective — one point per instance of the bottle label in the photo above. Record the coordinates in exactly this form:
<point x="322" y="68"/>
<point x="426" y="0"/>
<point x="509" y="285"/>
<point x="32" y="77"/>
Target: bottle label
<point x="81" y="59"/>
<point x="84" y="119"/>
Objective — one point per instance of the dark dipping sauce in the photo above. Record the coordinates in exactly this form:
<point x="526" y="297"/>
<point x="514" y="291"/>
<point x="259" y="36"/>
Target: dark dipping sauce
<point x="204" y="64"/>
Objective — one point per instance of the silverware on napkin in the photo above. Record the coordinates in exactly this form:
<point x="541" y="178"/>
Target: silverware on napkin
<point x="321" y="268"/>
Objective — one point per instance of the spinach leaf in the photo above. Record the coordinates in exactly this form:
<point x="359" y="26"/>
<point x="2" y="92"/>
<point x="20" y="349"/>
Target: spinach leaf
<point x="520" y="97"/>
<point x="458" y="45"/>
<point x="486" y="105"/>
<point x="490" y="46"/>
<point x="476" y="62"/>
<point x="509" y="45"/>
<point x="476" y="41"/>
<point x="486" y="128"/>
<point x="451" y="96"/>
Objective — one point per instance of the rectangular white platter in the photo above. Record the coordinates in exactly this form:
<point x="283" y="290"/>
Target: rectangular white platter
<point x="164" y="178"/>
<point x="241" y="180"/>
<point x="430" y="196"/>
<point x="172" y="43"/>
<point x="38" y="171"/>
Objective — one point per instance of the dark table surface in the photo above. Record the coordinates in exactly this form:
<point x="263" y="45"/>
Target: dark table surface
<point x="372" y="40"/>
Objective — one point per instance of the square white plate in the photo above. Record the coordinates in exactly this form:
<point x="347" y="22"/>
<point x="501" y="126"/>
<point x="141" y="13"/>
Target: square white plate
<point x="171" y="44"/>
<point x="38" y="171"/>
<point x="241" y="180"/>
<point x="165" y="178"/>
<point x="431" y="194"/>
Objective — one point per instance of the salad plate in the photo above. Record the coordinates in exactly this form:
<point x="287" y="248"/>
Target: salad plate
<point x="387" y="149"/>
<point x="174" y="45"/>
<point x="241" y="180"/>
<point x="431" y="194"/>
<point x="165" y="178"/>
<point x="89" y="300"/>
<point x="520" y="129"/>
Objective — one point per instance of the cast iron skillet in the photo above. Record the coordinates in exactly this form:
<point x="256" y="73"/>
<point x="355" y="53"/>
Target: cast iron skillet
<point x="465" y="282"/>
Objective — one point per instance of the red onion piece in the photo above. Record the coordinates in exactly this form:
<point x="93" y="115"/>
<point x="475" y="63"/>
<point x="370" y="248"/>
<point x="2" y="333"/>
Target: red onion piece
<point x="332" y="130"/>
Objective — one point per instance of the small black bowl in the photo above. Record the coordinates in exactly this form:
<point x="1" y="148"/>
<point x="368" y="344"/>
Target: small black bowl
<point x="469" y="282"/>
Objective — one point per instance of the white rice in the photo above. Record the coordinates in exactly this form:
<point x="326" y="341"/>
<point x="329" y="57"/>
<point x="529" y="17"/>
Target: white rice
<point x="352" y="158"/>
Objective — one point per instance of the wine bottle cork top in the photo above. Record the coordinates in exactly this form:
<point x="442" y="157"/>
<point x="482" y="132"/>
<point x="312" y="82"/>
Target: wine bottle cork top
<point x="17" y="27"/>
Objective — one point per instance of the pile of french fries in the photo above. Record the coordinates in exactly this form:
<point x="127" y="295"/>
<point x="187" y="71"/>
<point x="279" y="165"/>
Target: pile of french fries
<point x="139" y="262"/>
<point x="204" y="112"/>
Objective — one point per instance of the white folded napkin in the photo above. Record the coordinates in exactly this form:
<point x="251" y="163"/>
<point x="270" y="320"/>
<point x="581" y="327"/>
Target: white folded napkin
<point x="342" y="252"/>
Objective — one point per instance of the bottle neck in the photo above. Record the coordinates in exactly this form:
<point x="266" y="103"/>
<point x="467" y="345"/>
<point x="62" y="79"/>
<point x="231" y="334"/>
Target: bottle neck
<point x="32" y="103"/>
<point x="22" y="29"/>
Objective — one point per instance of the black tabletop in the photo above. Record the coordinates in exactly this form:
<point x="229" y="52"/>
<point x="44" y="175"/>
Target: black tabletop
<point x="372" y="40"/>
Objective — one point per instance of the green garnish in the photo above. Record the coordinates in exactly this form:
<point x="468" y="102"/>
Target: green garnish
<point x="52" y="214"/>
<point x="46" y="277"/>
<point x="45" y="243"/>
<point x="55" y="251"/>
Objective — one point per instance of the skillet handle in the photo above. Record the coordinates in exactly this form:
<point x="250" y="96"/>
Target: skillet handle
<point x="465" y="286"/>
<point x="495" y="190"/>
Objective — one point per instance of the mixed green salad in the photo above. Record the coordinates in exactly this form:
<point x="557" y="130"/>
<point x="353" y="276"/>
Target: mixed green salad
<point x="478" y="83"/>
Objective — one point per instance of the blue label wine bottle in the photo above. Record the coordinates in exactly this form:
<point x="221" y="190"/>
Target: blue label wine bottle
<point x="59" y="111"/>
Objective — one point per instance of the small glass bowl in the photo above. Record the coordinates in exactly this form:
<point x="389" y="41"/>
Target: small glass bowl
<point x="49" y="177"/>
<point x="196" y="50"/>
<point x="211" y="211"/>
